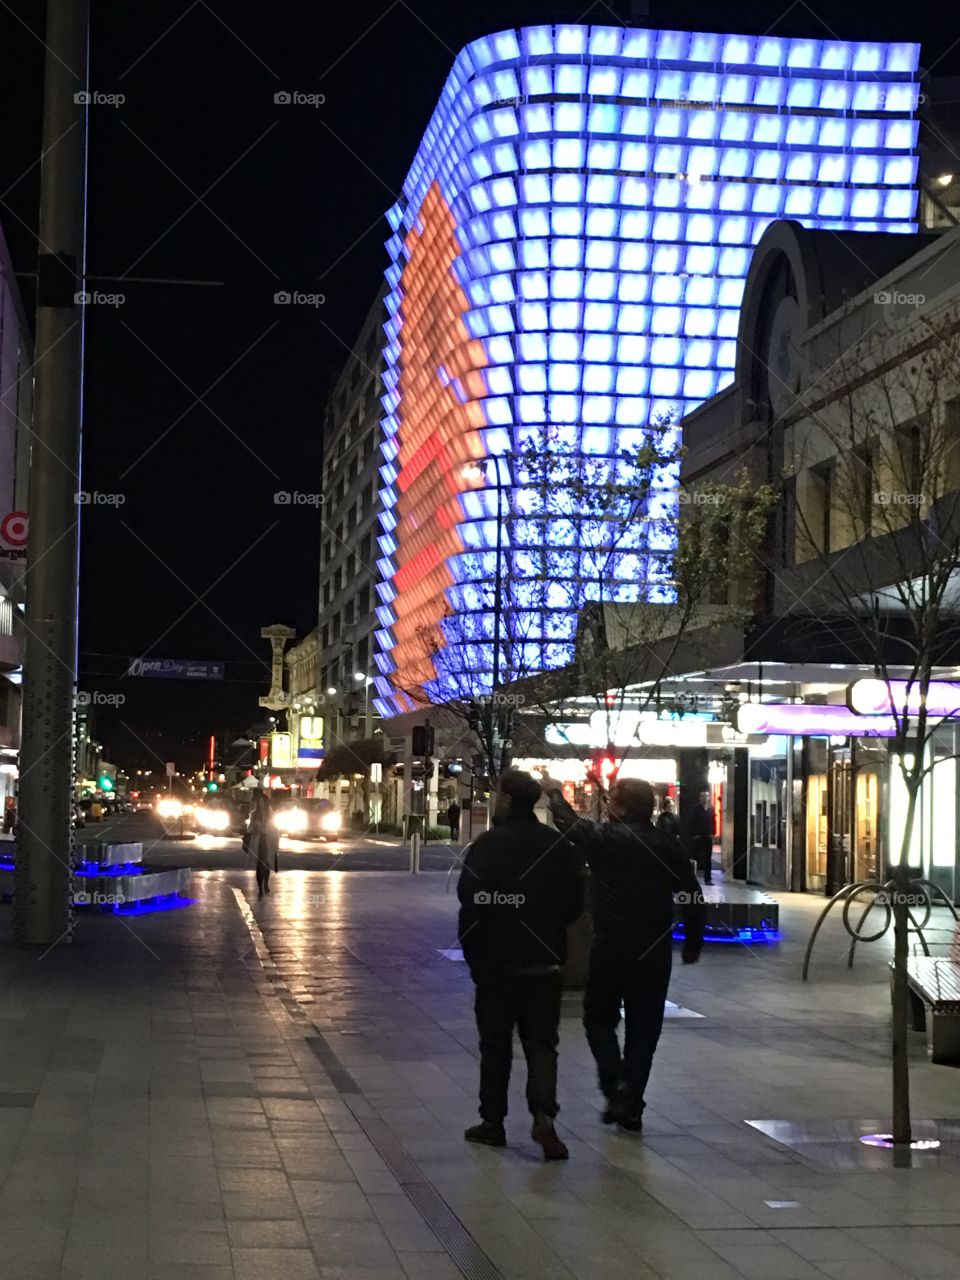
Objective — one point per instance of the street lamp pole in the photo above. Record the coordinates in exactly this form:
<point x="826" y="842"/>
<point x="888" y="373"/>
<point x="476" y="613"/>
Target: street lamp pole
<point x="497" y="619"/>
<point x="42" y="911"/>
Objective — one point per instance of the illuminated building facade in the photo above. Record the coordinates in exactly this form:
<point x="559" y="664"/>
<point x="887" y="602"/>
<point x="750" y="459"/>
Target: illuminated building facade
<point x="567" y="264"/>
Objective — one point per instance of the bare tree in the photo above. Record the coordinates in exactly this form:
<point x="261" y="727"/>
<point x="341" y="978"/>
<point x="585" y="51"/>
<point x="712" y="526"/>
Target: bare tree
<point x="652" y="572"/>
<point x="874" y="463"/>
<point x="597" y="583"/>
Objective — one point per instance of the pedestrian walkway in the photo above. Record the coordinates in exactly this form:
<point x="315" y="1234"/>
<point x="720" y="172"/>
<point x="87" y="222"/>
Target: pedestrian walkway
<point x="279" y="1091"/>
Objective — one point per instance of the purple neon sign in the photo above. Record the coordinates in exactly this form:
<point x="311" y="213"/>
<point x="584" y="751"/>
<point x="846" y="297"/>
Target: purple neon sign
<point x="804" y="720"/>
<point x="883" y="697"/>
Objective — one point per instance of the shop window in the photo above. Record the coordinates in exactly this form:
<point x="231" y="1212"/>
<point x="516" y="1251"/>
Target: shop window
<point x="820" y="508"/>
<point x="862" y="476"/>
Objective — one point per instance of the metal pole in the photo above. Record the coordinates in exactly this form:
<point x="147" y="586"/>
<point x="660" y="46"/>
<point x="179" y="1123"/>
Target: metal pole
<point x="42" y="912"/>
<point x="497" y="623"/>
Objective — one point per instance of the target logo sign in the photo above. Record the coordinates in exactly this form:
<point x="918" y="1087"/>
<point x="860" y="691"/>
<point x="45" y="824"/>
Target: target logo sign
<point x="13" y="535"/>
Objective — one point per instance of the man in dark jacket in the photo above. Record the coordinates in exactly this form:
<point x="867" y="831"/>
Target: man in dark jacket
<point x="520" y="888"/>
<point x="668" y="821"/>
<point x="636" y="870"/>
<point x="699" y="836"/>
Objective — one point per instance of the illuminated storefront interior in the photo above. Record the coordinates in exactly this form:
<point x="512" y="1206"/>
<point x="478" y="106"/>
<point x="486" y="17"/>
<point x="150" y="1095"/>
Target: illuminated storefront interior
<point x="567" y="264"/>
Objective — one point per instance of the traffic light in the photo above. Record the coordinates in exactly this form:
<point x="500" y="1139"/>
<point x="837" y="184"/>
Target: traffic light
<point x="105" y="782"/>
<point x="422" y="740"/>
<point x="212" y="786"/>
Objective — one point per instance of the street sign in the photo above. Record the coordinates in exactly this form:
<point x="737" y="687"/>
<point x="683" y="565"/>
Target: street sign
<point x="171" y="768"/>
<point x="376" y="773"/>
<point x="13" y="535"/>
<point x="281" y="751"/>
<point x="175" y="669"/>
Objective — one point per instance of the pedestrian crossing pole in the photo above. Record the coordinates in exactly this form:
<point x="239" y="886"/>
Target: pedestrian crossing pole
<point x="42" y="901"/>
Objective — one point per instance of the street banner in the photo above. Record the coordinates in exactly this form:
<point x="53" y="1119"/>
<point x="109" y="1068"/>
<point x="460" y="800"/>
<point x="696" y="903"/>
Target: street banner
<point x="175" y="668"/>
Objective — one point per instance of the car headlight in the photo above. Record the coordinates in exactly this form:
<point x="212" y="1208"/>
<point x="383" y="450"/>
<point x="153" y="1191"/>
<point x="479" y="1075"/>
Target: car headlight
<point x="330" y="822"/>
<point x="169" y="808"/>
<point x="213" y="819"/>
<point x="290" y="822"/>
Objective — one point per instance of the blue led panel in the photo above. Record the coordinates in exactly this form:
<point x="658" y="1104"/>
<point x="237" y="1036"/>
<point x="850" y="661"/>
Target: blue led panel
<point x="567" y="259"/>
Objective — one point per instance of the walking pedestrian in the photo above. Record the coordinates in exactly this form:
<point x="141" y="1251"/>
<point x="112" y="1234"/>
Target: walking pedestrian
<point x="668" y="822"/>
<point x="699" y="836"/>
<point x="636" y="870"/>
<point x="453" y="819"/>
<point x="264" y="841"/>
<point x="519" y="890"/>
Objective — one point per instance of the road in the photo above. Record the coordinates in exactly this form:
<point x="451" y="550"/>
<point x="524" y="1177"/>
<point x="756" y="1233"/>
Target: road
<point x="366" y="852"/>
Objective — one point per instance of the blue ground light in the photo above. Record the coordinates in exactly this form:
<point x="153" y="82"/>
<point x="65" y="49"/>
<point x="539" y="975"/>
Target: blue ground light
<point x="767" y="937"/>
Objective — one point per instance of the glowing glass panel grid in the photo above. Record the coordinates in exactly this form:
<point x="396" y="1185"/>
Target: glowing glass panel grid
<point x="597" y="192"/>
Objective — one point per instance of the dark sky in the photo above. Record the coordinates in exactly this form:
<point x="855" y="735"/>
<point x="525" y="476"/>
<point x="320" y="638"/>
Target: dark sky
<point x="203" y="401"/>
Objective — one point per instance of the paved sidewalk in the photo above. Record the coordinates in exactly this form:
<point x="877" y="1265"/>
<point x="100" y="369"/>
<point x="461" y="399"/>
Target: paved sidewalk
<point x="279" y="1090"/>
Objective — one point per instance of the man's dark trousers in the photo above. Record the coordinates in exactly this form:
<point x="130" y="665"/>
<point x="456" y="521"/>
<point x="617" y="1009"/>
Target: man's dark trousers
<point x="620" y="974"/>
<point x="531" y="1003"/>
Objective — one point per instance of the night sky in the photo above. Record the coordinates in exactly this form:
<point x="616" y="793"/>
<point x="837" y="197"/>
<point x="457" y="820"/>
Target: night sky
<point x="203" y="401"/>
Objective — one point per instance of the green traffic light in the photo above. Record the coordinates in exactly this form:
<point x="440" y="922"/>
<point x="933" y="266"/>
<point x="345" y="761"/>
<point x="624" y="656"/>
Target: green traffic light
<point x="212" y="786"/>
<point x="105" y="782"/>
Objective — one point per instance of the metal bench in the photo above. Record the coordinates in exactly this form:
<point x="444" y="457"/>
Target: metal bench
<point x="935" y="1005"/>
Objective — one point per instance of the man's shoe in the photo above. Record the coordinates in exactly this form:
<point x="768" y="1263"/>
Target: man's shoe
<point x="487" y="1133"/>
<point x="617" y="1103"/>
<point x="632" y="1121"/>
<point x="544" y="1133"/>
